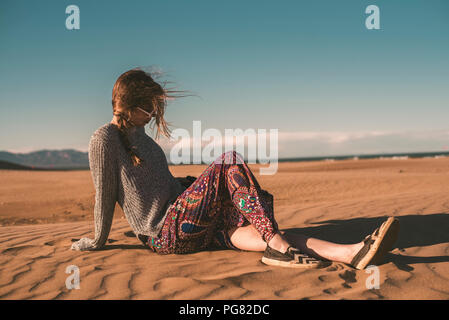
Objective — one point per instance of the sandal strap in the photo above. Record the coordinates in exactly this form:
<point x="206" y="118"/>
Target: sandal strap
<point x="368" y="241"/>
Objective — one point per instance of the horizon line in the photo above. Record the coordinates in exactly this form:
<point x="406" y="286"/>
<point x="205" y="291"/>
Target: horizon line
<point x="311" y="157"/>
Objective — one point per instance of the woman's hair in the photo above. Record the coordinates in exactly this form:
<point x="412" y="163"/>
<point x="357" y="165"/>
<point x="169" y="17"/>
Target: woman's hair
<point x="136" y="88"/>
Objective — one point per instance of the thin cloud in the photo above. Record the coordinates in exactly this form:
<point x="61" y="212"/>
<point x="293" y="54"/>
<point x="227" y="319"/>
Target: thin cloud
<point x="329" y="137"/>
<point x="311" y="143"/>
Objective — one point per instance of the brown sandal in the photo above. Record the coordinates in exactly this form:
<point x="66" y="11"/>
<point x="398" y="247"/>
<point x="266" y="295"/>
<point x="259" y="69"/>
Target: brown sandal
<point x="377" y="244"/>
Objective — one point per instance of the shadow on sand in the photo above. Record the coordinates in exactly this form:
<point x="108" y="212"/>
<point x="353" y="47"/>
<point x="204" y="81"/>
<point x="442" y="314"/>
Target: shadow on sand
<point x="119" y="246"/>
<point x="415" y="231"/>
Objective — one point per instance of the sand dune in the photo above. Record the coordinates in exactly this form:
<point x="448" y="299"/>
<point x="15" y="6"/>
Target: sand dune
<point x="340" y="201"/>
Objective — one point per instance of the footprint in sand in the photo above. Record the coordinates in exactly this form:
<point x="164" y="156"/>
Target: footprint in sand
<point x="335" y="267"/>
<point x="79" y="204"/>
<point x="323" y="278"/>
<point x="330" y="291"/>
<point x="349" y="277"/>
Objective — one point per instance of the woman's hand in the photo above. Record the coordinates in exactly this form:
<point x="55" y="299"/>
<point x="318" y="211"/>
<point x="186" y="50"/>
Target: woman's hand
<point x="83" y="244"/>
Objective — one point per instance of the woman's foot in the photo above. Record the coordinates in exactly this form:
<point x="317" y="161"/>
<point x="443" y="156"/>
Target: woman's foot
<point x="376" y="245"/>
<point x="348" y="253"/>
<point x="278" y="243"/>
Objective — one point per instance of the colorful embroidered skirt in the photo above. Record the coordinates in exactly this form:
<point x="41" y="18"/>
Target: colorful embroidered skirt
<point x="226" y="195"/>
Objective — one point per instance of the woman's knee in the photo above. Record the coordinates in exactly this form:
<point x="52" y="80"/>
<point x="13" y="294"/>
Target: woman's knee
<point x="230" y="157"/>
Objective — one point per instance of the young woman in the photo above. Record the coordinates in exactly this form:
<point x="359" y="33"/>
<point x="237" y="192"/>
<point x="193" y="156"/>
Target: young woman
<point x="223" y="208"/>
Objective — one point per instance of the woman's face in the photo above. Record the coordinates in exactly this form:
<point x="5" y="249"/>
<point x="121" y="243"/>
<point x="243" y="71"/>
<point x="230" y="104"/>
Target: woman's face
<point x="140" y="116"/>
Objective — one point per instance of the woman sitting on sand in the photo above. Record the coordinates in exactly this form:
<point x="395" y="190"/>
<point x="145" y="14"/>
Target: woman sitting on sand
<point x="223" y="208"/>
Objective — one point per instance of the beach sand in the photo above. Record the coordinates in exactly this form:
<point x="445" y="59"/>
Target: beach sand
<point x="340" y="201"/>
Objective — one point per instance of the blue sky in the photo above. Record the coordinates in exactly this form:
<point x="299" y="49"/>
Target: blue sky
<point x="310" y="69"/>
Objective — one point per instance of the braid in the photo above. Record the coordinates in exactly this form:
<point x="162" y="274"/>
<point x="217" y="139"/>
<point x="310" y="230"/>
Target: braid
<point x="123" y="132"/>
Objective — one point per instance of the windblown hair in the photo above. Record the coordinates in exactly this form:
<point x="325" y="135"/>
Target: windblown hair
<point x="136" y="88"/>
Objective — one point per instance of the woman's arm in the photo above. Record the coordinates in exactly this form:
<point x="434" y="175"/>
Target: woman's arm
<point x="103" y="166"/>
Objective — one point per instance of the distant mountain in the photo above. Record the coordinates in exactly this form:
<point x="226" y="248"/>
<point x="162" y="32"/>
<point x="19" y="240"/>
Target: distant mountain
<point x="49" y="159"/>
<point x="13" y="166"/>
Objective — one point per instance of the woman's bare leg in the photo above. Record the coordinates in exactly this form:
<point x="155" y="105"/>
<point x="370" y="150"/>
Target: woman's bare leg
<point x="324" y="249"/>
<point x="247" y="238"/>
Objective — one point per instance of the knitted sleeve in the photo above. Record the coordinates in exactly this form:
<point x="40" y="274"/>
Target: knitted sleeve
<point x="103" y="166"/>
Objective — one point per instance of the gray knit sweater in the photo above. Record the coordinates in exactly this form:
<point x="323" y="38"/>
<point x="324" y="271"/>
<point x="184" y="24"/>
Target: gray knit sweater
<point x="144" y="192"/>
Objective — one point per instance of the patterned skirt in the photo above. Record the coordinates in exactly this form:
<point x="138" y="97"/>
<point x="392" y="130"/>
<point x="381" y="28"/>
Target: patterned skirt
<point x="226" y="195"/>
